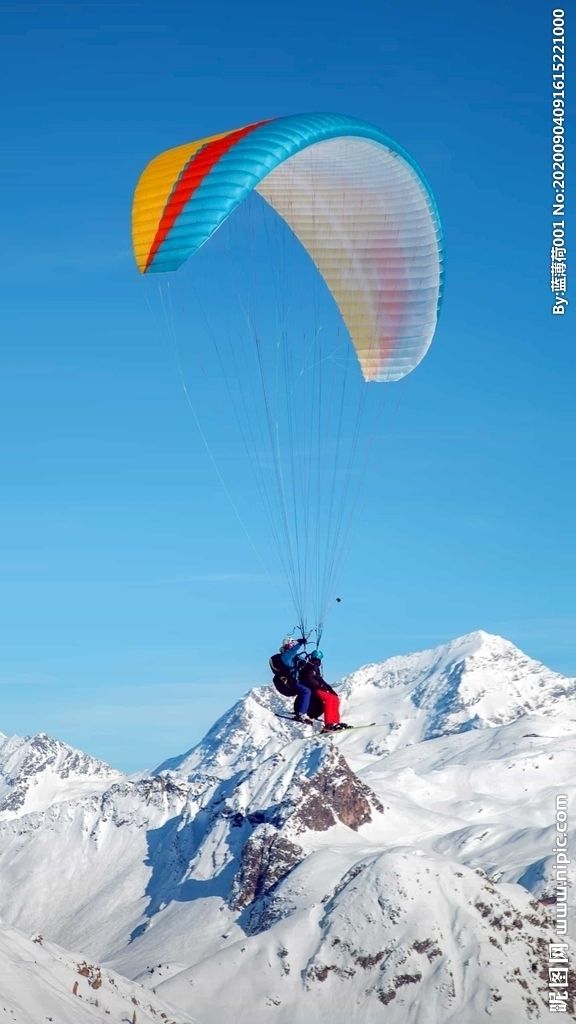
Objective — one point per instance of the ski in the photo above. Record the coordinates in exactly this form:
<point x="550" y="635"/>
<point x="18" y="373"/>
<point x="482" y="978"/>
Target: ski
<point x="331" y="732"/>
<point x="290" y="718"/>
<point x="326" y="732"/>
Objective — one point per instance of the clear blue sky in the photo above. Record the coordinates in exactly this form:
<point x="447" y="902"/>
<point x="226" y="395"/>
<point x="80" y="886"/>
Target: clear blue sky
<point x="132" y="610"/>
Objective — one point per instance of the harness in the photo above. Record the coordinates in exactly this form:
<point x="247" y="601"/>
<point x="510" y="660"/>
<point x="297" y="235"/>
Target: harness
<point x="283" y="677"/>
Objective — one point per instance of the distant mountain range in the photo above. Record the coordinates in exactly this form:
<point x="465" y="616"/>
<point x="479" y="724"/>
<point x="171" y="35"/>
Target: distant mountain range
<point x="402" y="872"/>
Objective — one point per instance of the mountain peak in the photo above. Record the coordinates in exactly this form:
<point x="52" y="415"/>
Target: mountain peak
<point x="475" y="681"/>
<point x="38" y="770"/>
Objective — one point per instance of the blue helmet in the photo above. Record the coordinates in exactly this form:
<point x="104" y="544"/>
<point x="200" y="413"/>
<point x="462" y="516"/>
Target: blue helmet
<point x="317" y="654"/>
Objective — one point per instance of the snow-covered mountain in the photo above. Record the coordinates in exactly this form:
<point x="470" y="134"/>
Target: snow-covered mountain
<point x="276" y="875"/>
<point x="38" y="771"/>
<point x="476" y="681"/>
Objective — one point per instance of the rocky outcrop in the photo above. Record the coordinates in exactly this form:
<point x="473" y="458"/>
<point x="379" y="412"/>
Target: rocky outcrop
<point x="334" y="793"/>
<point x="267" y="857"/>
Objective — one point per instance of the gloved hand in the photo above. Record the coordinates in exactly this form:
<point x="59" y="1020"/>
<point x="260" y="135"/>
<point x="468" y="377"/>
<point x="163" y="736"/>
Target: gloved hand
<point x="302" y="640"/>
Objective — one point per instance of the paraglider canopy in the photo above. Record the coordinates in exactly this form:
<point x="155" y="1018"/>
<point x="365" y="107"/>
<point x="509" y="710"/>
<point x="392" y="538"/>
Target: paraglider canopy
<point x="357" y="202"/>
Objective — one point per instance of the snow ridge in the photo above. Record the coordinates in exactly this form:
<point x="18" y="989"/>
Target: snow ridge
<point x="36" y="770"/>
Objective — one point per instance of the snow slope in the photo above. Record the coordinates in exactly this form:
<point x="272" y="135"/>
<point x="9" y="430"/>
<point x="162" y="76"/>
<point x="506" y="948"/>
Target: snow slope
<point x="399" y="936"/>
<point x="39" y="982"/>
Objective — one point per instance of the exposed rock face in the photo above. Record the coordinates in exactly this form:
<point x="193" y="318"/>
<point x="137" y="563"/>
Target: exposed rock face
<point x="267" y="857"/>
<point x="334" y="793"/>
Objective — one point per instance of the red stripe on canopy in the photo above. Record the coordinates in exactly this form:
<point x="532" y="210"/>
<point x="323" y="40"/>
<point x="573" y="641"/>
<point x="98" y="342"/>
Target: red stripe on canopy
<point x="190" y="178"/>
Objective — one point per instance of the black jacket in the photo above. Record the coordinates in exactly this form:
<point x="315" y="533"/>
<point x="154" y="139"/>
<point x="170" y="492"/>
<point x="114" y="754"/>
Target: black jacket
<point x="311" y="676"/>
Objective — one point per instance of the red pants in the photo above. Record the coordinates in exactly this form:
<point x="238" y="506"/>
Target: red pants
<point x="331" y="702"/>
